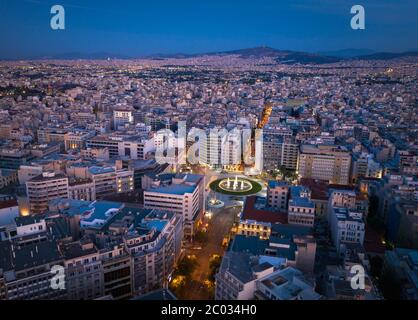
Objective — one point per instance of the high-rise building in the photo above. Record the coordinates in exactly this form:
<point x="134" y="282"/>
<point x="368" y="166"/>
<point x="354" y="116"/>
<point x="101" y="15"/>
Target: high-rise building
<point x="279" y="151"/>
<point x="183" y="194"/>
<point x="154" y="244"/>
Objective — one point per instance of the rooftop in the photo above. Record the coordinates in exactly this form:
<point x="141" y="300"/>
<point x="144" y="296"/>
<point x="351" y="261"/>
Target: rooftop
<point x="250" y="212"/>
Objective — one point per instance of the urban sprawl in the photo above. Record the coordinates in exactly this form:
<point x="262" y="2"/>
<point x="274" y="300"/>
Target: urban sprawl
<point x="330" y="211"/>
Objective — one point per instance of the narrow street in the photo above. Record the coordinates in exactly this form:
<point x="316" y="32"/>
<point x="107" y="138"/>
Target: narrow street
<point x="219" y="227"/>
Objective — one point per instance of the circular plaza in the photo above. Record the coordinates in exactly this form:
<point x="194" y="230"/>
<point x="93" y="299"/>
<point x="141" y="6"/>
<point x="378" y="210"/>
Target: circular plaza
<point x="235" y="186"/>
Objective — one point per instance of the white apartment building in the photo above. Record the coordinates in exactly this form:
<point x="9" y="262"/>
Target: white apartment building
<point x="183" y="194"/>
<point x="346" y="226"/>
<point x="133" y="147"/>
<point x="30" y="225"/>
<point x="121" y="117"/>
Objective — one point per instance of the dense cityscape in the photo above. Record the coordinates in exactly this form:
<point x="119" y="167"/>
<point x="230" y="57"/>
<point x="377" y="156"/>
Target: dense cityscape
<point x="83" y="193"/>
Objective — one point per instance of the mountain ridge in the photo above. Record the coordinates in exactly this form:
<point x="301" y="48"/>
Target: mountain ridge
<point x="281" y="56"/>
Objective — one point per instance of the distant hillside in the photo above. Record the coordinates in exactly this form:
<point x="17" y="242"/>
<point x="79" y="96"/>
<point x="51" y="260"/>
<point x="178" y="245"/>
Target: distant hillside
<point x="387" y="55"/>
<point x="83" y="56"/>
<point x="347" y="53"/>
<point x="307" y="58"/>
<point x="281" y="56"/>
<point x="257" y="52"/>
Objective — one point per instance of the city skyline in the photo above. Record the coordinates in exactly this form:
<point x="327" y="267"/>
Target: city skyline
<point x="209" y="151"/>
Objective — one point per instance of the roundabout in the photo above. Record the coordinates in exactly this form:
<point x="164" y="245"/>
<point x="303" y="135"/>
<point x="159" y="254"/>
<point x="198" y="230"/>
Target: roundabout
<point x="235" y="186"/>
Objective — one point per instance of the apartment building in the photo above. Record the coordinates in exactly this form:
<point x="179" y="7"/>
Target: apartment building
<point x="279" y="151"/>
<point x="179" y="193"/>
<point x="76" y="139"/>
<point x="346" y="226"/>
<point x="325" y="162"/>
<point x="122" y="117"/>
<point x="301" y="212"/>
<point x="154" y="243"/>
<point x="44" y="188"/>
<point x="286" y="284"/>
<point x="132" y="147"/>
<point x="83" y="271"/>
<point x="13" y="158"/>
<point x="278" y="195"/>
<point x="26" y="270"/>
<point x="105" y="141"/>
<point x="117" y="271"/>
<point x="108" y="180"/>
<point x="81" y="189"/>
<point x="237" y="276"/>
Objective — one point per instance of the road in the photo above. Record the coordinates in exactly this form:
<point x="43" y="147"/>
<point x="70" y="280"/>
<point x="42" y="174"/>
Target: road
<point x="219" y="226"/>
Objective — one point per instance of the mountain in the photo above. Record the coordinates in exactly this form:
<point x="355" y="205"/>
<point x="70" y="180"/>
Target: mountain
<point x="257" y="52"/>
<point x="347" y="53"/>
<point x="306" y="58"/>
<point x="280" y="56"/>
<point x="387" y="55"/>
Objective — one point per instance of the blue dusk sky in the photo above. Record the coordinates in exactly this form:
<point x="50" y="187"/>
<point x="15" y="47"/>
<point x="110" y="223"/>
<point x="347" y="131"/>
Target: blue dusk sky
<point x="139" y="27"/>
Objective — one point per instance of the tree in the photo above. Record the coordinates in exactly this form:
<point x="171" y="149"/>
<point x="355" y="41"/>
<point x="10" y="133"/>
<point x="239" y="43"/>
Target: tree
<point x="214" y="264"/>
<point x="201" y="236"/>
<point x="186" y="266"/>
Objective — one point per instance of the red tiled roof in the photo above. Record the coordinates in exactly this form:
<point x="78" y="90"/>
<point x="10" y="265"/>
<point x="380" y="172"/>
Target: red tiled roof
<point x="319" y="188"/>
<point x="251" y="213"/>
